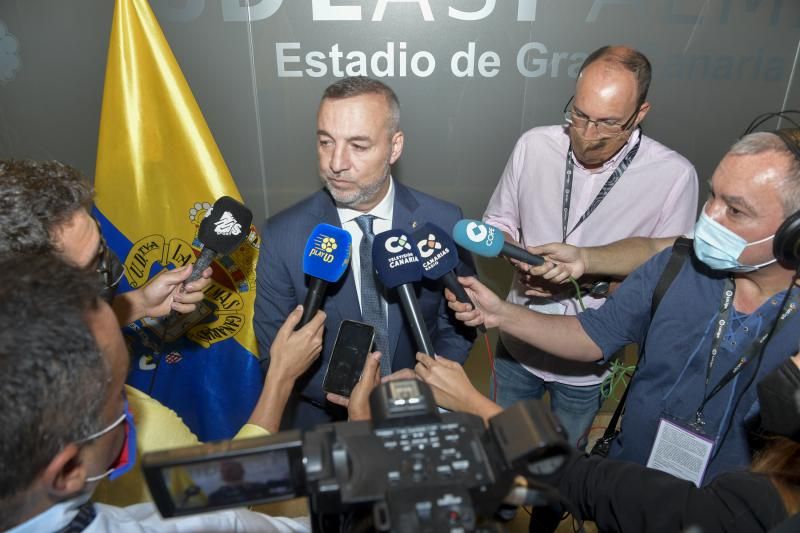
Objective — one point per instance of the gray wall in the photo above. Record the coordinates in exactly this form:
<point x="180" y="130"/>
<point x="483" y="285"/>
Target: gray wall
<point x="717" y="63"/>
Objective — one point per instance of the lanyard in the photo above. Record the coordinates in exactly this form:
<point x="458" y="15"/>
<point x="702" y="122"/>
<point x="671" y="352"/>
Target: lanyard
<point x="81" y="521"/>
<point x="600" y="195"/>
<point x="747" y="353"/>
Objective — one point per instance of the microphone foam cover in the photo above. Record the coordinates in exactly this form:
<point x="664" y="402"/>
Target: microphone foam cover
<point x="436" y="250"/>
<point x="479" y="237"/>
<point x="327" y="252"/>
<point x="395" y="259"/>
<point x="225" y="226"/>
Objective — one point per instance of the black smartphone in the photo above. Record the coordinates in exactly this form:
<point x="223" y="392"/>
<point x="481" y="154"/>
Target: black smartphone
<point x="226" y="474"/>
<point x="353" y="343"/>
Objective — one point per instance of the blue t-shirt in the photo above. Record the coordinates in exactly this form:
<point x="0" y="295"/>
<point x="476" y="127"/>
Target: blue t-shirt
<point x="670" y="379"/>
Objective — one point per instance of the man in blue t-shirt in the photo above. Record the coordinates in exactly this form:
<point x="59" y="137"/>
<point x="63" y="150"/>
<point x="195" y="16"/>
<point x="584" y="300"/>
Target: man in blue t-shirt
<point x="725" y="321"/>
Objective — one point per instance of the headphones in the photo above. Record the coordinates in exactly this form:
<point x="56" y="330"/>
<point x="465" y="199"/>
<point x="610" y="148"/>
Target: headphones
<point x="786" y="245"/>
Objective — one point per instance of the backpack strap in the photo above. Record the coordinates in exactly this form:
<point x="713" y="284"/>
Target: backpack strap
<point x="680" y="251"/>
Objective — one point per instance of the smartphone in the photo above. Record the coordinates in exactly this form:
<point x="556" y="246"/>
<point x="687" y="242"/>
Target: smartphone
<point x="353" y="344"/>
<point x="226" y="474"/>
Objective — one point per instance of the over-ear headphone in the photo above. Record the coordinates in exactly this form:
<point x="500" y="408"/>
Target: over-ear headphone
<point x="786" y="245"/>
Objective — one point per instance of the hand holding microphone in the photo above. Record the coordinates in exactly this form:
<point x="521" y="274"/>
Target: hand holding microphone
<point x="397" y="265"/>
<point x="439" y="257"/>
<point x="224" y="228"/>
<point x="325" y="259"/>
<point x="488" y="241"/>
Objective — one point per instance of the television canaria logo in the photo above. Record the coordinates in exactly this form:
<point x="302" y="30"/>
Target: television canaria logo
<point x="323" y="248"/>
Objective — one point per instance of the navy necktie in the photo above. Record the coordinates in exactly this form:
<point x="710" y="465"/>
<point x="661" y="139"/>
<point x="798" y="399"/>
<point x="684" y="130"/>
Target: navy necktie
<point x="372" y="309"/>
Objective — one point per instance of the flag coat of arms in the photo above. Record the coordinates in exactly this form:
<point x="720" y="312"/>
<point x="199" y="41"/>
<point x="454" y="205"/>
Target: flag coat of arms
<point x="158" y="172"/>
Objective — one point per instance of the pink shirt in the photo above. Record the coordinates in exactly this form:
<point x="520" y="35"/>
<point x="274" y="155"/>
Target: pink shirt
<point x="655" y="197"/>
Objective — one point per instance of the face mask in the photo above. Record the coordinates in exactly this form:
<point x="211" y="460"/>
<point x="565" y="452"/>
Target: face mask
<point x="720" y="248"/>
<point x="127" y="456"/>
<point x="779" y="397"/>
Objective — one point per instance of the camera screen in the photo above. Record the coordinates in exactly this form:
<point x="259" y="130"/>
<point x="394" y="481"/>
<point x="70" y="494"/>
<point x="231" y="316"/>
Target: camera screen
<point x="231" y="481"/>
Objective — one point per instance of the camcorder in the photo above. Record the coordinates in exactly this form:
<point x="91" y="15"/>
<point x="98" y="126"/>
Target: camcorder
<point x="411" y="468"/>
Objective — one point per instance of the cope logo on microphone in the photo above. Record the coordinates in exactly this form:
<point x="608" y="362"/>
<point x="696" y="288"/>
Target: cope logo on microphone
<point x="427" y="247"/>
<point x="227" y="225"/>
<point x="480" y="233"/>
<point x="397" y="244"/>
<point x="323" y="248"/>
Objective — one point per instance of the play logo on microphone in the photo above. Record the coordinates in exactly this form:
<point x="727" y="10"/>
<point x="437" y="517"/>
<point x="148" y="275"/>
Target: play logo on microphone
<point x="324" y="246"/>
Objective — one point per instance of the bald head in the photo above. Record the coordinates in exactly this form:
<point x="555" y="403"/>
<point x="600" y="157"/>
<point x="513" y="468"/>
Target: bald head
<point x="622" y="58"/>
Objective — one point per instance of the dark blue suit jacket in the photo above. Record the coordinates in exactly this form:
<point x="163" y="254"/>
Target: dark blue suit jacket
<point x="282" y="285"/>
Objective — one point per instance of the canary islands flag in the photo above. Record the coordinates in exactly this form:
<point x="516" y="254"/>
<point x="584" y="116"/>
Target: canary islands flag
<point x="158" y="172"/>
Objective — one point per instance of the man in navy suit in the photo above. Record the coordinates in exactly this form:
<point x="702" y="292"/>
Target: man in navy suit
<point x="358" y="139"/>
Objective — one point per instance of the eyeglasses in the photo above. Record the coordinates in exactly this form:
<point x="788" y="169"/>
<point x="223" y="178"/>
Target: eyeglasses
<point x="105" y="265"/>
<point x="606" y="128"/>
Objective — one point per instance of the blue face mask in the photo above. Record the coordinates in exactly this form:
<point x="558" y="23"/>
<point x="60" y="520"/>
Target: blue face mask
<point x="720" y="248"/>
<point x="127" y="455"/>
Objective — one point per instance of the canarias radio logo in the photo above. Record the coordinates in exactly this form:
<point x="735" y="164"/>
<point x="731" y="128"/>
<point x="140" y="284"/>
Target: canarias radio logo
<point x="324" y="247"/>
<point x="221" y="314"/>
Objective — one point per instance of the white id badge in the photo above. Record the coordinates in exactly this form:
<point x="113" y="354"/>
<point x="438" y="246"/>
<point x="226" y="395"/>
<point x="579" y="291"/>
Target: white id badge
<point x="549" y="307"/>
<point x="680" y="451"/>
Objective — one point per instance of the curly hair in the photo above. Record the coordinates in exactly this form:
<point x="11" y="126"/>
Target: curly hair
<point x="36" y="198"/>
<point x="53" y="378"/>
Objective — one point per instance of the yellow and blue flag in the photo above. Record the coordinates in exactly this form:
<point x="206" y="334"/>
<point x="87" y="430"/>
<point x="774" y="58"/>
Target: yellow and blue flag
<point x="158" y="172"/>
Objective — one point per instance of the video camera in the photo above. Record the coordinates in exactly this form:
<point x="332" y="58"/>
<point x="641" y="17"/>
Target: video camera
<point x="410" y="469"/>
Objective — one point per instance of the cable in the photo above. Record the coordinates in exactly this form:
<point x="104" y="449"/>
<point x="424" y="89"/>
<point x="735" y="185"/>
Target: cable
<point x="578" y="295"/>
<point x="760" y="119"/>
<point x="491" y="365"/>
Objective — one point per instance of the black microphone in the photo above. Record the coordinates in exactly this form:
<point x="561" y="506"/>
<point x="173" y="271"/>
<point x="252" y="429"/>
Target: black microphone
<point x="439" y="260"/>
<point x="224" y="228"/>
<point x="325" y="259"/>
<point x="397" y="265"/>
<point x="488" y="241"/>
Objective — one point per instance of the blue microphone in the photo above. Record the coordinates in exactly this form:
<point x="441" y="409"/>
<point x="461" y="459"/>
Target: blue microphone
<point x="397" y="265"/>
<point x="486" y="240"/>
<point x="439" y="260"/>
<point x="325" y="259"/>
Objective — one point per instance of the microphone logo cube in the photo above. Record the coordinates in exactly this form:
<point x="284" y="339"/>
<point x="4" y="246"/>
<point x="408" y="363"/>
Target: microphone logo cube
<point x="227" y="224"/>
<point x="478" y="232"/>
<point x="427" y="247"/>
<point x="397" y="244"/>
<point x="324" y="245"/>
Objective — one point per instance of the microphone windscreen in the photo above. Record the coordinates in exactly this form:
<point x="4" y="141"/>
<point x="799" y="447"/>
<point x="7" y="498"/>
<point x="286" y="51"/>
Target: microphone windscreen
<point x="395" y="259"/>
<point x="225" y="226"/>
<point x="327" y="253"/>
<point x="479" y="237"/>
<point x="436" y="250"/>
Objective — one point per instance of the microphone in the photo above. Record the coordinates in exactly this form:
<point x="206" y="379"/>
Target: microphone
<point x="397" y="265"/>
<point x="224" y="228"/>
<point x="486" y="240"/>
<point x="439" y="260"/>
<point x="325" y="259"/>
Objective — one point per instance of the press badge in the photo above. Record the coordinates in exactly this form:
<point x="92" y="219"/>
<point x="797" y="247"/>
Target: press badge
<point x="681" y="451"/>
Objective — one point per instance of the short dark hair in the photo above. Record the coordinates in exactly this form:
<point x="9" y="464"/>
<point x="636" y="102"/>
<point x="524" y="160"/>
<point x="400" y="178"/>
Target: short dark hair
<point x="631" y="60"/>
<point x="359" y="85"/>
<point x="36" y="198"/>
<point x="53" y="377"/>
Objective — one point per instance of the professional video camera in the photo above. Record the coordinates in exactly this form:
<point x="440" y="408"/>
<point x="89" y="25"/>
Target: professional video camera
<point x="409" y="469"/>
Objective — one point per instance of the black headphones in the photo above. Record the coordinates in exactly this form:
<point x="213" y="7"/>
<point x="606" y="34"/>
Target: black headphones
<point x="786" y="245"/>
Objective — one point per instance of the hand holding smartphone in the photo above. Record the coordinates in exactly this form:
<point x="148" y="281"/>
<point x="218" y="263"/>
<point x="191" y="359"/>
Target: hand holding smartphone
<point x="353" y="344"/>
